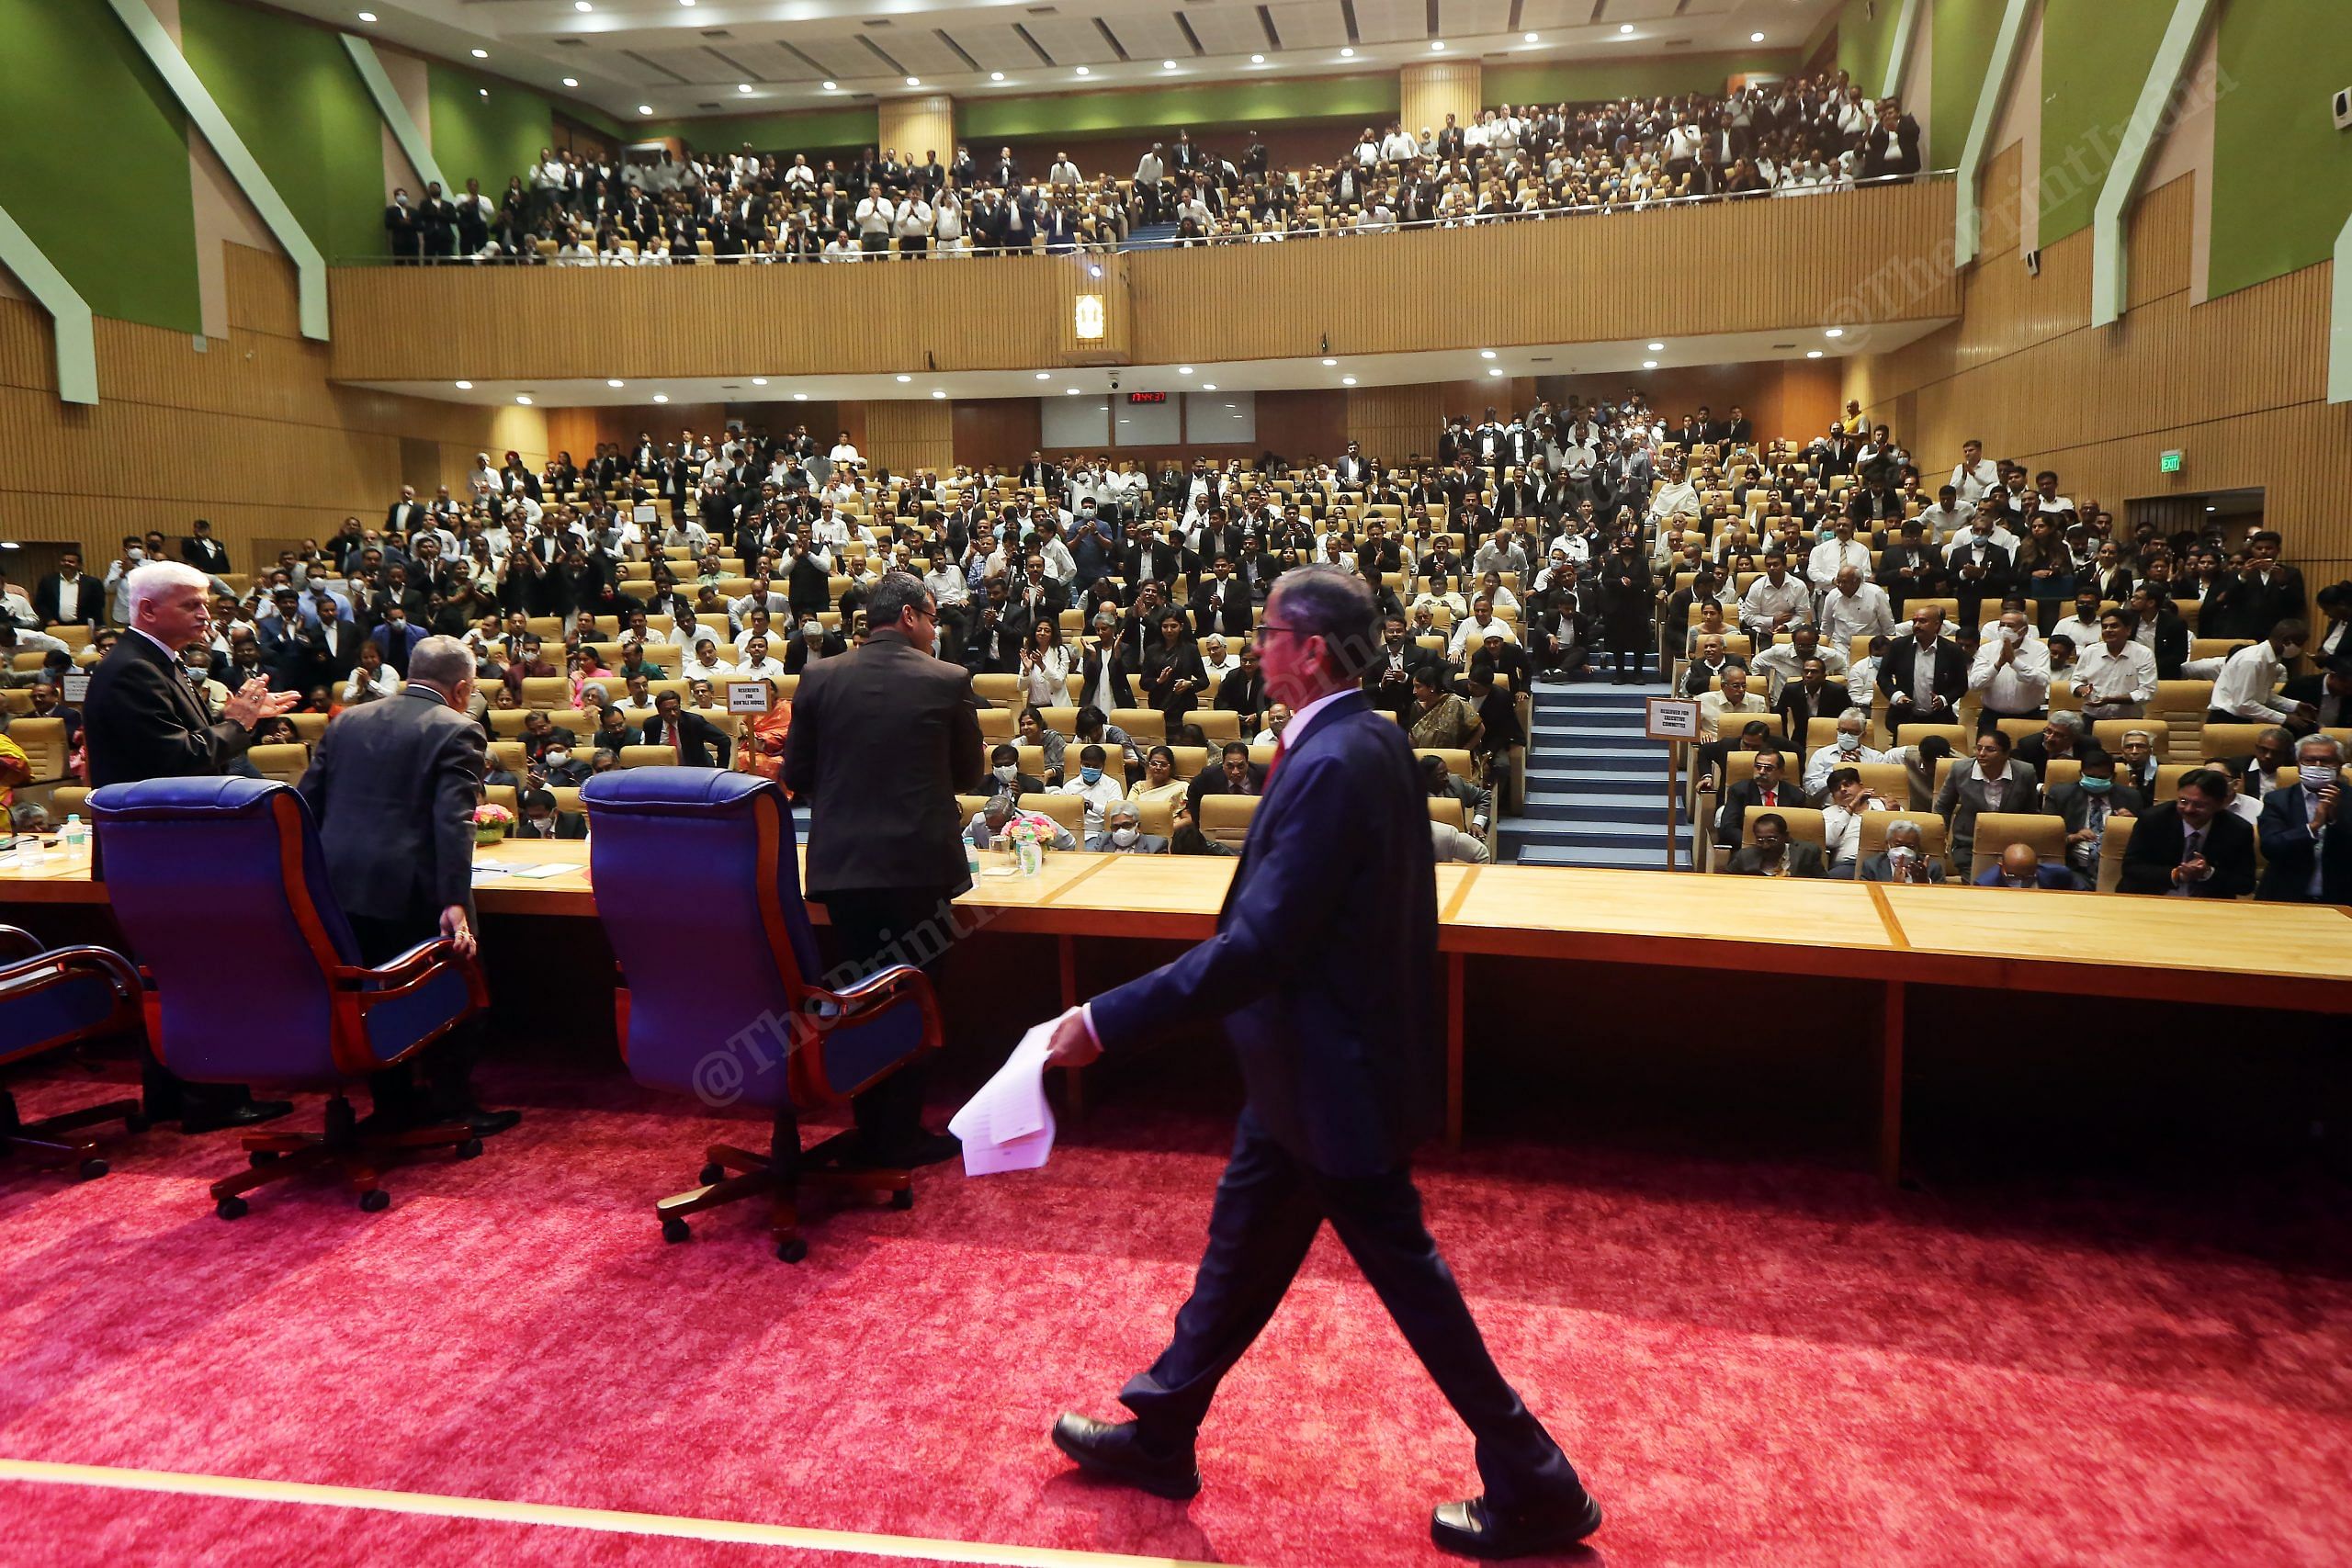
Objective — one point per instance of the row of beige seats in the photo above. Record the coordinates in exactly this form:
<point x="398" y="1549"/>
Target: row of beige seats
<point x="1995" y="831"/>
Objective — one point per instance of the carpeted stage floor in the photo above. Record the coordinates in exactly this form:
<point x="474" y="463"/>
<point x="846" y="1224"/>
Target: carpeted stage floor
<point x="1752" y="1361"/>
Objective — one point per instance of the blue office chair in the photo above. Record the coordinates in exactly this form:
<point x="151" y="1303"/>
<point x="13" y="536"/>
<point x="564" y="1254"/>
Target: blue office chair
<point x="221" y="888"/>
<point x="49" y="999"/>
<point x="699" y="892"/>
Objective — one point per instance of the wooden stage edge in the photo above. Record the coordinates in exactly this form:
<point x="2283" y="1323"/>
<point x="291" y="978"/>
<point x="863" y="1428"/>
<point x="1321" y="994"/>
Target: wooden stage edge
<point x="2294" y="957"/>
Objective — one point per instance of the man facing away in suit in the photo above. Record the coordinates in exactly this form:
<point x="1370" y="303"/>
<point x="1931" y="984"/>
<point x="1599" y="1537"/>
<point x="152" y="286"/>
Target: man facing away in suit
<point x="392" y="791"/>
<point x="142" y="719"/>
<point x="1337" y="1046"/>
<point x="882" y="737"/>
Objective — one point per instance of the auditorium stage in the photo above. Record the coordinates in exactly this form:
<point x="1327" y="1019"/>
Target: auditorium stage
<point x="1875" y="967"/>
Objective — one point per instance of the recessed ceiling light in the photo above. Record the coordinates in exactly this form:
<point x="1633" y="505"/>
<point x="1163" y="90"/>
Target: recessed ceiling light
<point x="1625" y="30"/>
<point x="914" y="81"/>
<point x="1813" y="354"/>
<point x="480" y="53"/>
<point x="613" y="383"/>
<point x="1756" y="37"/>
<point x="571" y="81"/>
<point x="1649" y="364"/>
<point x="1347" y="54"/>
<point x="1211" y="387"/>
<point x="689" y="5"/>
<point x="742" y="86"/>
<point x="993" y="76"/>
<point x="523" y="398"/>
<point x="1658" y="349"/>
<point x="1183" y="370"/>
<point x="465" y="386"/>
<point x="937" y="393"/>
<point x="1486" y="354"/>
<point x="906" y="377"/>
<point x="483" y="91"/>
<point x="832" y="86"/>
<point x="366" y="15"/>
<point x="1494" y="370"/>
<point x="800" y="397"/>
<point x="1168" y="65"/>
<point x="1531" y="38"/>
<point x="1835" y="332"/>
<point x="1347" y="381"/>
<point x="645" y="109"/>
<point x="1257" y="60"/>
<point x="1045" y="375"/>
<point x="759" y="380"/>
<point x="1069" y="391"/>
<point x="1085" y="71"/>
<point x="660" y="397"/>
<point x="1437" y="45"/>
<point x="1331" y="362"/>
<point x="581" y="5"/>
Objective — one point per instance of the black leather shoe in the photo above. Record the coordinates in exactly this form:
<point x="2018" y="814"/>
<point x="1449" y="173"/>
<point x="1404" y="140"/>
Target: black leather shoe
<point x="1473" y="1529"/>
<point x="1117" y="1453"/>
<point x="484" y="1123"/>
<point x="238" y="1113"/>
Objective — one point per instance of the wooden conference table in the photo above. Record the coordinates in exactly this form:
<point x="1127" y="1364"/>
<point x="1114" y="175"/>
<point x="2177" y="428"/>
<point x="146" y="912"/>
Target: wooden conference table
<point x="2287" y="957"/>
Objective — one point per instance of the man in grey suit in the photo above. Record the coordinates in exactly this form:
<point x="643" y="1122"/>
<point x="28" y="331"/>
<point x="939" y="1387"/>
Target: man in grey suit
<point x="882" y="737"/>
<point x="391" y="788"/>
<point x="1773" y="853"/>
<point x="1123" y="833"/>
<point x="1995" y="781"/>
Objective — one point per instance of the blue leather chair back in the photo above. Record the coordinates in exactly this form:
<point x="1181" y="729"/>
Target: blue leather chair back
<point x="699" y="891"/>
<point x="221" y="888"/>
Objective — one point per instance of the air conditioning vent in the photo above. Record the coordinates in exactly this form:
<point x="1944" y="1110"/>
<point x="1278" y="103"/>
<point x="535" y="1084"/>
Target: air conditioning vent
<point x="882" y="22"/>
<point x="573" y="42"/>
<point x="716" y="32"/>
<point x="1045" y="10"/>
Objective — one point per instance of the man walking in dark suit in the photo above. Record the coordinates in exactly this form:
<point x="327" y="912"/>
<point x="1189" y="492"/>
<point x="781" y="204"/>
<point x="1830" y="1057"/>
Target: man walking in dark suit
<point x="1337" y="1046"/>
<point x="391" y="788"/>
<point x="882" y="737"/>
<point x="142" y="719"/>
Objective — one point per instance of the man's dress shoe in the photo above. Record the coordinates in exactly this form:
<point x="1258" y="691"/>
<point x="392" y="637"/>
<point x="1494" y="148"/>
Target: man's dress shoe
<point x="1116" y="1452"/>
<point x="238" y="1113"/>
<point x="1473" y="1529"/>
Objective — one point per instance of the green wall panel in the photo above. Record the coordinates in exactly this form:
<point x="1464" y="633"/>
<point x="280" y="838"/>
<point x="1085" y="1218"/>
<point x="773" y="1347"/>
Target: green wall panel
<point x="489" y="139"/>
<point x="1599" y="81"/>
<point x="76" y="98"/>
<point x="2282" y="173"/>
<point x="1265" y="100"/>
<point x="297" y="101"/>
<point x="1964" y="49"/>
<point x="851" y="126"/>
<point x="1866" y="39"/>
<point x="2094" y="59"/>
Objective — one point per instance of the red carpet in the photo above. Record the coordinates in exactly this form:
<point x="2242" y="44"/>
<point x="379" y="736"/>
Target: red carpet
<point x="1765" y="1363"/>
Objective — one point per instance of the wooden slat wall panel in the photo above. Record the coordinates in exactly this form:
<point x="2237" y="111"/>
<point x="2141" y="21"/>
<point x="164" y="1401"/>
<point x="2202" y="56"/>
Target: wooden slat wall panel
<point x="905" y="436"/>
<point x="1393" y="422"/>
<point x="1871" y="256"/>
<point x="2239" y="383"/>
<point x="1430" y="93"/>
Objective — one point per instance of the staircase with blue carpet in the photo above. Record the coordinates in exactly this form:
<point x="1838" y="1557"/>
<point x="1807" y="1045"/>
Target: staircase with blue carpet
<point x="1595" y="788"/>
<point x="1150" y="237"/>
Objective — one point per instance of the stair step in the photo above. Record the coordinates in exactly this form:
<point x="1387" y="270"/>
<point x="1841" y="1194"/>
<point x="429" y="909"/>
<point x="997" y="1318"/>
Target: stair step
<point x="1597" y="857"/>
<point x="1612" y="793"/>
<point x="1648" y="830"/>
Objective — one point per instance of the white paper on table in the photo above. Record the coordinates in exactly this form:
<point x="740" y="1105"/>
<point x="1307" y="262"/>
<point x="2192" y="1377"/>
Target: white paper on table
<point x="490" y="873"/>
<point x="1008" y="1125"/>
<point x="552" y="868"/>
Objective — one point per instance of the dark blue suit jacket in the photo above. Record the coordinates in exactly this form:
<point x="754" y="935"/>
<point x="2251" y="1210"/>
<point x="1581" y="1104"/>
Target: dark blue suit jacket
<point x="1325" y="955"/>
<point x="2288" y="847"/>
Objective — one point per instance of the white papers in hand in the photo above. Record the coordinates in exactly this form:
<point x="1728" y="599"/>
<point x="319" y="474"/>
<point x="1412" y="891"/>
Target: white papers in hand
<point x="1008" y="1125"/>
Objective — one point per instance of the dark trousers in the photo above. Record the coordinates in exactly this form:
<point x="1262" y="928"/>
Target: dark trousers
<point x="1268" y="1206"/>
<point x="869" y="923"/>
<point x="448" y="1062"/>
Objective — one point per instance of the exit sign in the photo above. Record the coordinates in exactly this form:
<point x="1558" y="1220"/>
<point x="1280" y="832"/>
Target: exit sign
<point x="1146" y="396"/>
<point x="2168" y="462"/>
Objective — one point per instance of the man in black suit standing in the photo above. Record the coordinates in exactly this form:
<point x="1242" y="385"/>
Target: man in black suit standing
<point x="70" y="597"/>
<point x="2192" y="846"/>
<point x="882" y="737"/>
<point x="393" y="788"/>
<point x="1925" y="674"/>
<point x="204" y="552"/>
<point x="142" y="719"/>
<point x="1321" y="970"/>
<point x="1221" y="604"/>
<point x="404" y="516"/>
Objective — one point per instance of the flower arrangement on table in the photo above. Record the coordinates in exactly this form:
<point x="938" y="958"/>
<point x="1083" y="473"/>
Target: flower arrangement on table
<point x="491" y="822"/>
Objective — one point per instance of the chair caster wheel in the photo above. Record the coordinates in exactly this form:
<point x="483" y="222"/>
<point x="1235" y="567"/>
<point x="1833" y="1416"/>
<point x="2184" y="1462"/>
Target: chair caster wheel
<point x="135" y="1123"/>
<point x="91" y="1169"/>
<point x="792" y="1251"/>
<point x="374" y="1202"/>
<point x="470" y="1149"/>
<point x="713" y="1172"/>
<point x="903" y="1199"/>
<point x="231" y="1208"/>
<point x="260" y="1158"/>
<point x="675" y="1229"/>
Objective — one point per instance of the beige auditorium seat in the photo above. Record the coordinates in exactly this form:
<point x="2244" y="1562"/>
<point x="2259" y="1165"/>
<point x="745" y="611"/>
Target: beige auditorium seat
<point x="1226" y="818"/>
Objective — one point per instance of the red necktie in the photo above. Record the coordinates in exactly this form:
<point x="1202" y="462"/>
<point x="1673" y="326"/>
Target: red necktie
<point x="1772" y="796"/>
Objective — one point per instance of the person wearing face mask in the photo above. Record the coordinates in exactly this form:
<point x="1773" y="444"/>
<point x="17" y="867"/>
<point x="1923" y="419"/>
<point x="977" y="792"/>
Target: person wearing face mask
<point x="2248" y="679"/>
<point x="1123" y="833"/>
<point x="2020" y="867"/>
<point x="1902" y="858"/>
<point x="1847" y="751"/>
<point x="2089" y="802"/>
<point x="1005" y="777"/>
<point x="2010" y="673"/>
<point x="2306" y="859"/>
<point x="1093" y="786"/>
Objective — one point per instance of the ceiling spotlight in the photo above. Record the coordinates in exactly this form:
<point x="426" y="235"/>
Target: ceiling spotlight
<point x="1756" y="37"/>
<point x="366" y="15"/>
<point x="1494" y="370"/>
<point x="759" y="380"/>
<point x="480" y="53"/>
<point x="571" y="81"/>
<point x="581" y="5"/>
<point x="1437" y="45"/>
<point x="1531" y="38"/>
<point x="800" y="397"/>
<point x="1183" y="370"/>
<point x="1835" y="332"/>
<point x="1347" y="54"/>
<point x="1069" y="391"/>
<point x="1045" y="375"/>
<point x="832" y="86"/>
<point x="523" y="398"/>
<point x="1658" y="349"/>
<point x="1649" y="364"/>
<point x="937" y="393"/>
<point x="1813" y="354"/>
<point x="1347" y="381"/>
<point x="1208" y="386"/>
<point x="645" y="109"/>
<point x="906" y="377"/>
<point x="465" y="386"/>
<point x="993" y="76"/>
<point x="613" y="383"/>
<point x="1331" y="362"/>
<point x="1625" y="30"/>
<point x="914" y="81"/>
<point x="742" y="86"/>
<point x="660" y="397"/>
<point x="1486" y="354"/>
<point x="689" y="5"/>
<point x="1257" y="60"/>
<point x="1085" y="71"/>
<point x="1168" y="65"/>
<point x="483" y="91"/>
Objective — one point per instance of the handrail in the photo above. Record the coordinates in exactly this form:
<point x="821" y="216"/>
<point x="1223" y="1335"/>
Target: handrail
<point x="757" y="258"/>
